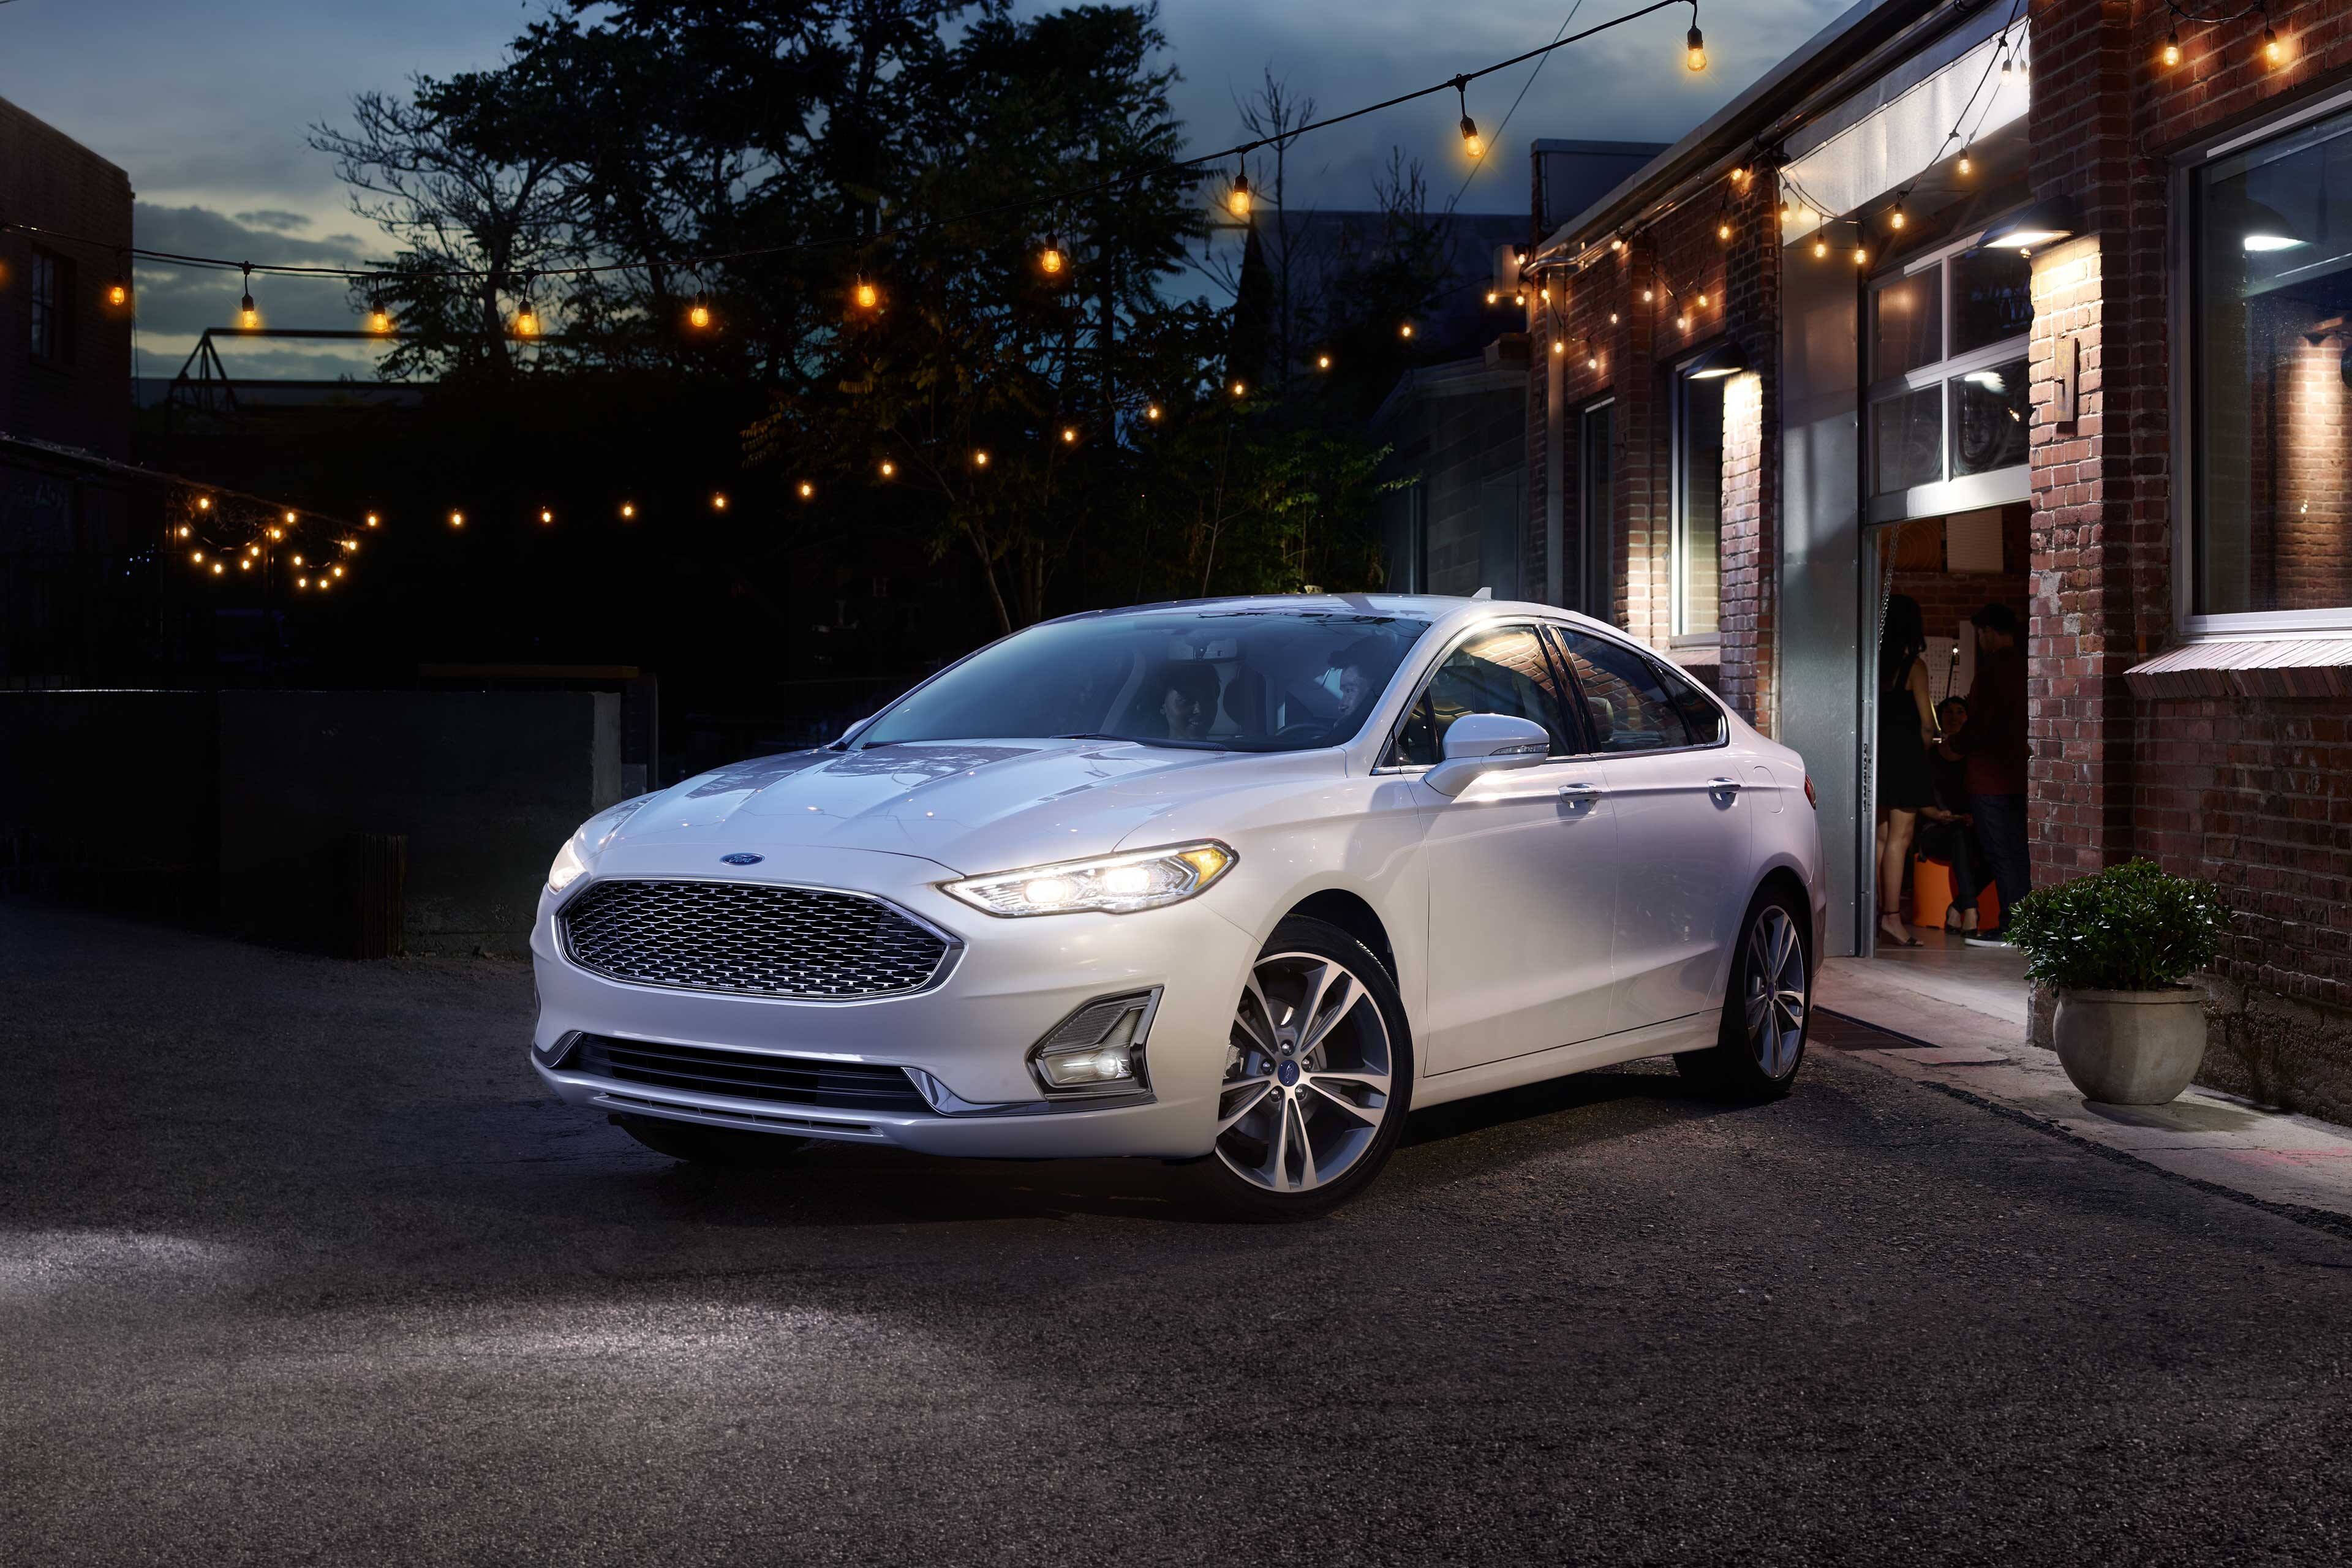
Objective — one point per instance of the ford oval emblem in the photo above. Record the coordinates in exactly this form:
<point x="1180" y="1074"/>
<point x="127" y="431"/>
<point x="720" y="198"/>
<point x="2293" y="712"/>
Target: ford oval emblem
<point x="743" y="857"/>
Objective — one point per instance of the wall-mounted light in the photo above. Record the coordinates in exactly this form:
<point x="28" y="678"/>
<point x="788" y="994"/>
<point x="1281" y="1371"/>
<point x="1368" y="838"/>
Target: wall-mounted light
<point x="2044" y="222"/>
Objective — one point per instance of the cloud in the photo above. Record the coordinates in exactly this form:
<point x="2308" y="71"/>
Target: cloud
<point x="177" y="302"/>
<point x="275" y="221"/>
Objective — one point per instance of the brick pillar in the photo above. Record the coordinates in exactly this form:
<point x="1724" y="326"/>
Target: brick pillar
<point x="2094" y="554"/>
<point x="1751" y="459"/>
<point x="1644" y="491"/>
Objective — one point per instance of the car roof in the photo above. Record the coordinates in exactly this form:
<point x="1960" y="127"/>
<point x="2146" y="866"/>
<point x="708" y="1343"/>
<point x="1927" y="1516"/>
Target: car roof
<point x="1434" y="607"/>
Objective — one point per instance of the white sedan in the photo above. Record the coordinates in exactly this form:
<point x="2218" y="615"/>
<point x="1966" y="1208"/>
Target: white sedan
<point x="1238" y="882"/>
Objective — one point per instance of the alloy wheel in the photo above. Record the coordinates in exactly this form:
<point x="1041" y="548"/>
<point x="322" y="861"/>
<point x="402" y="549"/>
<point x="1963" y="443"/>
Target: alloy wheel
<point x="1306" y="1075"/>
<point x="1776" y="994"/>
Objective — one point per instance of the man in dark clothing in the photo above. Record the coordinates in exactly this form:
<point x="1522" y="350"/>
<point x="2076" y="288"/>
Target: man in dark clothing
<point x="1947" y="828"/>
<point x="1995" y="747"/>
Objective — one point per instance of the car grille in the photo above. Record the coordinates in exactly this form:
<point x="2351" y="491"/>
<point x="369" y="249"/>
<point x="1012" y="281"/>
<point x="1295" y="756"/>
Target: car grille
<point x="747" y="1075"/>
<point x="751" y="940"/>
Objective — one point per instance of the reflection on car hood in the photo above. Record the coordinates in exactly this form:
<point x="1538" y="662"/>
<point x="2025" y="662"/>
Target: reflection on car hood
<point x="971" y="805"/>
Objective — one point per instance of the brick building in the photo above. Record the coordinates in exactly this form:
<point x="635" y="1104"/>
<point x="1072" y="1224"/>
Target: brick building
<point x="2003" y="303"/>
<point x="67" y="532"/>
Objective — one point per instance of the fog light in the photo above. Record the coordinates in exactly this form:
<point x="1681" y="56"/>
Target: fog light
<point x="1098" y="1049"/>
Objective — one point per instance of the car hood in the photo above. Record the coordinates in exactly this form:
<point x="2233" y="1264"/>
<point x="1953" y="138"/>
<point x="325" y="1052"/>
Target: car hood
<point x="972" y="806"/>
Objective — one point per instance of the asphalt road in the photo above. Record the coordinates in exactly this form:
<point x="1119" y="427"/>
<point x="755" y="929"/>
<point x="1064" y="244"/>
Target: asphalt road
<point x="297" y="1265"/>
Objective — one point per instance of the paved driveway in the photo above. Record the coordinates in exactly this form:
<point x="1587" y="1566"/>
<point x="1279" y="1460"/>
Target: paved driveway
<point x="296" y="1266"/>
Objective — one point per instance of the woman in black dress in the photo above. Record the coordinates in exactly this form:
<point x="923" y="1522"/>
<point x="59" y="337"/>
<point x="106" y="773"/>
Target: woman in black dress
<point x="1906" y="728"/>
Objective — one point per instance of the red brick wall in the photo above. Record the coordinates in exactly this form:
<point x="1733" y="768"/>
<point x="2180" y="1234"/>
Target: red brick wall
<point x="1679" y="261"/>
<point x="2249" y="790"/>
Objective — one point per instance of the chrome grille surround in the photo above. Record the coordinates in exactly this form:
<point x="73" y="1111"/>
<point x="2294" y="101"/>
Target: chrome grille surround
<point x="785" y="941"/>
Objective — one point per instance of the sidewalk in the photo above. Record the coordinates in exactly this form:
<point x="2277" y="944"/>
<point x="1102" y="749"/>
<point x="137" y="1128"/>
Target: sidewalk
<point x="1969" y="1020"/>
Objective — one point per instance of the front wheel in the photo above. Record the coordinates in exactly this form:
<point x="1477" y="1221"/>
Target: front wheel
<point x="1318" y="1076"/>
<point x="1766" y="1011"/>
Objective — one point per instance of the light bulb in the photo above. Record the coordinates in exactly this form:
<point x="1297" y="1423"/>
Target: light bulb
<point x="298" y="561"/>
<point x="526" y="323"/>
<point x="807" y="491"/>
<point x="290" y="520"/>
<point x="1405" y="330"/>
<point x="1723" y="229"/>
<point x="1322" y="362"/>
<point x="372" y="520"/>
<point x="980" y="458"/>
<point x="118" y="293"/>
<point x="302" y="582"/>
<point x="1558" y="347"/>
<point x="1593" y="361"/>
<point x="718" y="500"/>
<point x="1616" y="242"/>
<point x="1648" y="295"/>
<point x="1612" y="318"/>
<point x="204" y="503"/>
<point x="1896" y="219"/>
<point x="1471" y="141"/>
<point x="197" y="556"/>
<point x="247" y="318"/>
<point x="1050" y="260"/>
<point x="1821" y="247"/>
<point x="2172" y="47"/>
<point x="1241" y="389"/>
<point x="2272" y="51"/>
<point x="1238" y="200"/>
<point x="628" y="511"/>
<point x="245" y="565"/>
<point x="889" y="468"/>
<point x="546" y="514"/>
<point x="1151" y="411"/>
<point x="869" y="297"/>
<point x="1967" y="163"/>
<point x="1702" y="301"/>
<point x="1493" y="298"/>
<point x="1861" y="256"/>
<point x="219" y="568"/>
<point x="1694" y="50"/>
<point x="379" y="321"/>
<point x="277" y="533"/>
<point x="457" y="520"/>
<point x="1069" y="435"/>
<point x="699" y="317"/>
<point x="337" y="572"/>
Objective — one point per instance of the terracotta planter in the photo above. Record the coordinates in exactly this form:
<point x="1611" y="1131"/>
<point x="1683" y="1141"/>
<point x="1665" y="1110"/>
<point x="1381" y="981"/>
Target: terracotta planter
<point x="2131" y="1047"/>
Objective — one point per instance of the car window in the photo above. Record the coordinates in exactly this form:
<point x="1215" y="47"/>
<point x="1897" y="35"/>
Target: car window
<point x="1705" y="719"/>
<point x="1502" y="670"/>
<point x="1625" y="696"/>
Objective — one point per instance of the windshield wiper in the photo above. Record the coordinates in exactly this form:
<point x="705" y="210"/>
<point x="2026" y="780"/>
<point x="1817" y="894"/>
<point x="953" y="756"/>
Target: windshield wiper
<point x="1149" y="741"/>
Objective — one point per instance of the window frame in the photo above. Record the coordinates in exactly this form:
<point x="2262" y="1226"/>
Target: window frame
<point x="1571" y="695"/>
<point x="53" y="310"/>
<point x="2187" y="416"/>
<point x="1963" y="492"/>
<point x="1677" y="519"/>
<point x="1668" y="670"/>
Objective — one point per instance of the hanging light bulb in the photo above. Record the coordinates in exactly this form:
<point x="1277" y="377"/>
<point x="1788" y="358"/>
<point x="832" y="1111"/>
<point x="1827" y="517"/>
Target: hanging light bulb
<point x="322" y="584"/>
<point x="379" y="319"/>
<point x="1723" y="228"/>
<point x="1702" y="301"/>
<point x="1682" y="321"/>
<point x="1694" y="45"/>
<point x="1238" y="200"/>
<point x="1322" y="362"/>
<point x="718" y="500"/>
<point x="1405" y="329"/>
<point x="1648" y="295"/>
<point x="1493" y="298"/>
<point x="245" y="565"/>
<point x="805" y="490"/>
<point x="1860" y="255"/>
<point x="247" y="318"/>
<point x="697" y="315"/>
<point x="546" y="515"/>
<point x="2172" y="56"/>
<point x="302" y="582"/>
<point x="1616" y="242"/>
<point x="1050" y="260"/>
<point x="290" y="520"/>
<point x="1612" y="318"/>
<point x="1520" y="299"/>
<point x="1739" y="174"/>
<point x="889" y="468"/>
<point x="629" y="512"/>
<point x="2005" y="72"/>
<point x="1151" y="411"/>
<point x="457" y="520"/>
<point x="336" y="573"/>
<point x="1896" y="219"/>
<point x="204" y="503"/>
<point x="526" y="323"/>
<point x="118" y="293"/>
<point x="374" y="519"/>
<point x="197" y="556"/>
<point x="980" y="458"/>
<point x="219" y="568"/>
<point x="2272" y="50"/>
<point x="1968" y="159"/>
<point x="869" y="297"/>
<point x="1471" y="143"/>
<point x="253" y="550"/>
<point x="1069" y="435"/>
<point x="277" y="533"/>
<point x="298" y="561"/>
<point x="1558" y="347"/>
<point x="184" y="531"/>
<point x="1593" y="361"/>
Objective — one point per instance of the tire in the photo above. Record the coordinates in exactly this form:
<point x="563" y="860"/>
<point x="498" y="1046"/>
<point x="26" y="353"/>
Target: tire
<point x="1768" y="1008"/>
<point x="698" y="1144"/>
<point x="1350" y="1086"/>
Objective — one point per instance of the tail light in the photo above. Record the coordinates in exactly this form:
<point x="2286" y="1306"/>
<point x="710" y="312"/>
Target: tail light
<point x="1810" y="798"/>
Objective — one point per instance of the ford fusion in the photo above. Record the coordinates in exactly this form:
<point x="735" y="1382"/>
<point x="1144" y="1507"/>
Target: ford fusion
<point x="1234" y="882"/>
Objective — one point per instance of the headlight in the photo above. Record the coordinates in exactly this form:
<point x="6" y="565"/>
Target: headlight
<point x="572" y="860"/>
<point x="1114" y="884"/>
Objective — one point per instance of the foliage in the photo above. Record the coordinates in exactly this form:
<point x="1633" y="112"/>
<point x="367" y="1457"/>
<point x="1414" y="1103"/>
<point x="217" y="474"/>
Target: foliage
<point x="2129" y="928"/>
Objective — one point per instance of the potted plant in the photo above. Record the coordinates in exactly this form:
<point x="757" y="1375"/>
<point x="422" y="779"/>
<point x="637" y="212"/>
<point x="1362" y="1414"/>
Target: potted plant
<point x="2116" y="947"/>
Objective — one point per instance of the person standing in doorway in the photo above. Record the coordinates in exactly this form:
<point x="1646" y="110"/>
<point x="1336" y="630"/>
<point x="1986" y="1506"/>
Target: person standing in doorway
<point x="1994" y="744"/>
<point x="1906" y="728"/>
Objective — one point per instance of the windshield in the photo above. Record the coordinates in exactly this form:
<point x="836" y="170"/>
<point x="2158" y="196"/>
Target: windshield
<point x="1220" y="680"/>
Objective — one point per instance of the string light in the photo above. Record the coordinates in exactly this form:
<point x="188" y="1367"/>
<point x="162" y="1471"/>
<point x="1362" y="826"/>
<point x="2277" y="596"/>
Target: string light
<point x="302" y="582"/>
<point x="1612" y="318"/>
<point x="298" y="561"/>
<point x="1069" y="435"/>
<point x="247" y="318"/>
<point x="1968" y="161"/>
<point x="184" y="531"/>
<point x="2272" y="50"/>
<point x="218" y="569"/>
<point x="980" y="458"/>
<point x="374" y="519"/>
<point x="337" y="572"/>
<point x="1238" y="200"/>
<point x="718" y="500"/>
<point x="629" y="512"/>
<point x="379" y="319"/>
<point x="546" y="514"/>
<point x="204" y="503"/>
<point x="1322" y="362"/>
<point x="1493" y="298"/>
<point x="1616" y="242"/>
<point x="118" y="293"/>
<point x="1648" y="295"/>
<point x="1241" y="389"/>
<point x="1820" y="245"/>
<point x="197" y="556"/>
<point x="277" y="533"/>
<point x="1702" y="301"/>
<point x="869" y="297"/>
<point x="322" y="584"/>
<point x="1470" y="139"/>
<point x="1558" y="347"/>
<point x="2172" y="47"/>
<point x="1151" y="411"/>
<point x="526" y="323"/>
<point x="246" y="565"/>
<point x="889" y="468"/>
<point x="1860" y="255"/>
<point x="1592" y="359"/>
<point x="1405" y="329"/>
<point x="1723" y="226"/>
<point x="457" y="520"/>
<point x="1694" y="45"/>
<point x="290" y="520"/>
<point x="697" y="315"/>
<point x="1050" y="260"/>
<point x="807" y="491"/>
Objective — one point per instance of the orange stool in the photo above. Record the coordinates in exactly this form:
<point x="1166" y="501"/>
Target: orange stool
<point x="1931" y="895"/>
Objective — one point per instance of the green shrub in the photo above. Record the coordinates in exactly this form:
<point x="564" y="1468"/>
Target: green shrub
<point x="2129" y="928"/>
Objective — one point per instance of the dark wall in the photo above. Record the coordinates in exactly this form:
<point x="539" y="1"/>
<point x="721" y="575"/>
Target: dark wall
<point x="246" y="805"/>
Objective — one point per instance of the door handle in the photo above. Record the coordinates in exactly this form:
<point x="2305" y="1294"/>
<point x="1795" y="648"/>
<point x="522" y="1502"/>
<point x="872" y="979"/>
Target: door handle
<point x="1723" y="786"/>
<point x="1581" y="791"/>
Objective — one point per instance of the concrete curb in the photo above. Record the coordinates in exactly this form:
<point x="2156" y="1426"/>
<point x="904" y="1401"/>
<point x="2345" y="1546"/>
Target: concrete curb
<point x="2218" y="1141"/>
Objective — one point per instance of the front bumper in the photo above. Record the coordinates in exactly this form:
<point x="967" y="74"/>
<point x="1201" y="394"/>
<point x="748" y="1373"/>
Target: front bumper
<point x="1014" y="981"/>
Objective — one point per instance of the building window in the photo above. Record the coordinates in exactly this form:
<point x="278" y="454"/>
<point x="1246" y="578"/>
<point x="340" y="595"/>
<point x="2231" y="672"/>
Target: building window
<point x="1596" y="473"/>
<point x="1949" y="397"/>
<point x="2270" y="246"/>
<point x="51" y="308"/>
<point x="1697" y="554"/>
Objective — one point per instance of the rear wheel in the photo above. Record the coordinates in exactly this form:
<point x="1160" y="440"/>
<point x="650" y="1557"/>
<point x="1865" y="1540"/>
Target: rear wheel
<point x="1766" y="1011"/>
<point x="1319" y="1076"/>
<point x="700" y="1145"/>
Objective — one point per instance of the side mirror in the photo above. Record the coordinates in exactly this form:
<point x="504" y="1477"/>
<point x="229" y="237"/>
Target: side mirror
<point x="1481" y="743"/>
